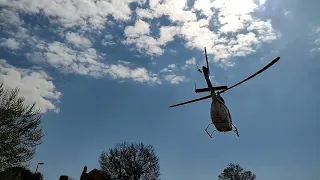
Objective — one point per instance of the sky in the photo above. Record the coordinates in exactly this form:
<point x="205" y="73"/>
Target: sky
<point x="106" y="71"/>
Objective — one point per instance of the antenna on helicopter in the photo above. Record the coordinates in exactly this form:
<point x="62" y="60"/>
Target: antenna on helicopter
<point x="227" y="81"/>
<point x="198" y="68"/>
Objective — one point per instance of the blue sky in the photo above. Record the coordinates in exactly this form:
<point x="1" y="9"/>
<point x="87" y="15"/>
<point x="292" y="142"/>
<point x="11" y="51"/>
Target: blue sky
<point x="106" y="72"/>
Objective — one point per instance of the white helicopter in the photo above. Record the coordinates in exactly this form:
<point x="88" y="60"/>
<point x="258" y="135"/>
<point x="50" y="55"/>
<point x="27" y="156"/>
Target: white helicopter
<point x="220" y="115"/>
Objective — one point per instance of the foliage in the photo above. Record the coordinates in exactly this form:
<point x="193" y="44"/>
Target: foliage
<point x="15" y="173"/>
<point x="37" y="176"/>
<point x="235" y="172"/>
<point x="19" y="129"/>
<point x="65" y="177"/>
<point x="130" y="162"/>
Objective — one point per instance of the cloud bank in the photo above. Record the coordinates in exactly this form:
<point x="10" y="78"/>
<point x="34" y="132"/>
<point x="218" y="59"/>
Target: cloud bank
<point x="70" y="36"/>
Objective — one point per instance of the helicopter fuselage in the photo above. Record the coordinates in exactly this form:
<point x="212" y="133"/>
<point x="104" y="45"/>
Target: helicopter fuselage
<point x="220" y="116"/>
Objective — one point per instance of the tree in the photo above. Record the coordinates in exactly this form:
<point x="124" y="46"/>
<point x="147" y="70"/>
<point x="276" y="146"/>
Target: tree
<point x="14" y="173"/>
<point x="65" y="177"/>
<point x="130" y="162"/>
<point x="20" y="130"/>
<point x="235" y="172"/>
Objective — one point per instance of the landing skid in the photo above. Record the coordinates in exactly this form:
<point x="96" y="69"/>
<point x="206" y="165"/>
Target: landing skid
<point x="235" y="130"/>
<point x="210" y="134"/>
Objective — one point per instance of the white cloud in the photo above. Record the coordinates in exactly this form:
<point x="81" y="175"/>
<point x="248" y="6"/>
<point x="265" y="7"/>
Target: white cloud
<point x="227" y="28"/>
<point x="88" y="62"/>
<point x="174" y="79"/>
<point x="9" y="17"/>
<point x="34" y="85"/>
<point x="146" y="44"/>
<point x="172" y="66"/>
<point x="9" y="43"/>
<point x="317" y="30"/>
<point x="286" y="12"/>
<point x="140" y="28"/>
<point x="139" y="36"/>
<point x="108" y="40"/>
<point x="262" y="2"/>
<point x="68" y="60"/>
<point x="82" y="13"/>
<point x="124" y="62"/>
<point x="167" y="34"/>
<point x="264" y="29"/>
<point x="77" y="40"/>
<point x="204" y="6"/>
<point x="233" y="17"/>
<point x="234" y="14"/>
<point x="169" y="75"/>
<point x="166" y="70"/>
<point x="175" y="10"/>
<point x="121" y="72"/>
<point x="233" y="20"/>
<point x="189" y="63"/>
<point x="316" y="35"/>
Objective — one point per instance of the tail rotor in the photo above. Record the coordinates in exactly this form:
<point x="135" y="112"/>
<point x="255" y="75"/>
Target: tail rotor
<point x="195" y="86"/>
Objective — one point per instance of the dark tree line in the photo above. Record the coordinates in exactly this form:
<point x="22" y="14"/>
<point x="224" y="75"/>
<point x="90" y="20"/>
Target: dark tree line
<point x="138" y="162"/>
<point x="17" y="173"/>
<point x="236" y="172"/>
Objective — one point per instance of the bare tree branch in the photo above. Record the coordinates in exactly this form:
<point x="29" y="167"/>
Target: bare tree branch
<point x="130" y="162"/>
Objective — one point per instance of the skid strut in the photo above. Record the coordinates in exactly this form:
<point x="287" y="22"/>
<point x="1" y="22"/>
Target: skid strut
<point x="210" y="135"/>
<point x="235" y="130"/>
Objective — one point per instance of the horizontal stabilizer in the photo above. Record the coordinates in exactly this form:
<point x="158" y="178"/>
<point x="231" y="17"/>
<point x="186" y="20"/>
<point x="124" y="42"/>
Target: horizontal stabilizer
<point x="220" y="88"/>
<point x="214" y="88"/>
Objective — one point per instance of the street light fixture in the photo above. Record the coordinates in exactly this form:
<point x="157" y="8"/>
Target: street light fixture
<point x="40" y="163"/>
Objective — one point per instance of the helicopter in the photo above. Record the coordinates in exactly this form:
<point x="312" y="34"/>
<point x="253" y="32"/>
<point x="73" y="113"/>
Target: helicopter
<point x="219" y="112"/>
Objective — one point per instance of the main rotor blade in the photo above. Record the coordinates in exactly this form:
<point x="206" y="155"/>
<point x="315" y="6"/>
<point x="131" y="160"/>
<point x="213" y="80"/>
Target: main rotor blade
<point x="260" y="71"/>
<point x="195" y="100"/>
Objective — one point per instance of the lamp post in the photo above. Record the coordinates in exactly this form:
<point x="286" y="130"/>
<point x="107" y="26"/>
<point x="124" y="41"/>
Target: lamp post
<point x="41" y="163"/>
